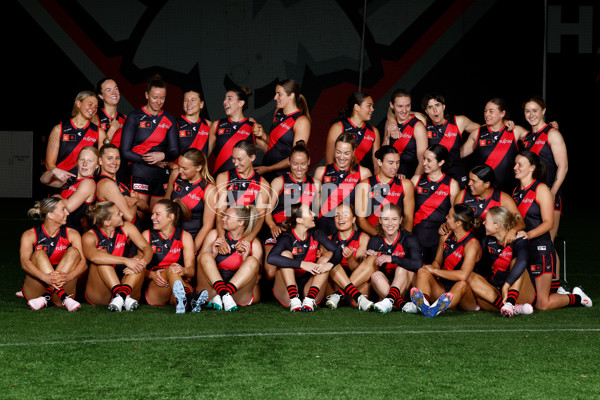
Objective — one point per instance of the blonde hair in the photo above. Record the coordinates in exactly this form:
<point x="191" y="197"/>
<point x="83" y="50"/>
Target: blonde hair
<point x="84" y="94"/>
<point x="100" y="212"/>
<point x="198" y="158"/>
<point x="247" y="214"/>
<point x="504" y="217"/>
<point x="41" y="208"/>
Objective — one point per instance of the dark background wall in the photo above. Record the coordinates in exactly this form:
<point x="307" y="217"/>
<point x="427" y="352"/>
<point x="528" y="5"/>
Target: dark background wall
<point x="470" y="51"/>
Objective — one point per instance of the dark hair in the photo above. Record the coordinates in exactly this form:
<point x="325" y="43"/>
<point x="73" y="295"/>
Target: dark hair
<point x="536" y="99"/>
<point x="155" y="81"/>
<point x="195" y="90"/>
<point x="441" y="154"/>
<point x="432" y="96"/>
<point x="243" y="93"/>
<point x="356" y="98"/>
<point x="466" y="216"/>
<point x="385" y="150"/>
<point x="300" y="147"/>
<point x="248" y="146"/>
<point x="400" y="93"/>
<point x="346" y="137"/>
<point x="98" y="87"/>
<point x="108" y="146"/>
<point x="295" y="213"/>
<point x="540" y="172"/>
<point x="176" y="207"/>
<point x="291" y="86"/>
<point x="501" y="105"/>
<point x="485" y="173"/>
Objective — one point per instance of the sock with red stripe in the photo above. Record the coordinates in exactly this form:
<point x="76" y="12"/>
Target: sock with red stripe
<point x="221" y="288"/>
<point x="352" y="292"/>
<point x="574" y="300"/>
<point x="397" y="299"/>
<point x="232" y="288"/>
<point x="121" y="290"/>
<point x="313" y="292"/>
<point x="512" y="296"/>
<point x="554" y="285"/>
<point x="292" y="291"/>
<point x="498" y="302"/>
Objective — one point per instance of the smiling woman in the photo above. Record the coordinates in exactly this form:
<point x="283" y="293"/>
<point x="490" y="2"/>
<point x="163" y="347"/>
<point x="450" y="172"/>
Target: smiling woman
<point x="354" y="120"/>
<point x="51" y="256"/>
<point x="67" y="138"/>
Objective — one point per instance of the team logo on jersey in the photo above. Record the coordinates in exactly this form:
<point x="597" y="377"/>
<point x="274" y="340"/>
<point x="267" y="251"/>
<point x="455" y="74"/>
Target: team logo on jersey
<point x="41" y="247"/>
<point x="185" y="133"/>
<point x="223" y="131"/>
<point x="157" y="249"/>
<point x="68" y="138"/>
<point x="483" y="143"/>
<point x="144" y="124"/>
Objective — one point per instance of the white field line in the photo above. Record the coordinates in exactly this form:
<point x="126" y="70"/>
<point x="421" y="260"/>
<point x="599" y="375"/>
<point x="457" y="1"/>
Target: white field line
<point x="281" y="334"/>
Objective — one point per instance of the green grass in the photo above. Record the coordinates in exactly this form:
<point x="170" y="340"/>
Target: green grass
<point x="264" y="351"/>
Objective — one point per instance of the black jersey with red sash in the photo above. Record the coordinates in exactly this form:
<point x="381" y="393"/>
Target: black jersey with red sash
<point x="537" y="142"/>
<point x="104" y="122"/>
<point x="167" y="251"/>
<point x="281" y="137"/>
<point x="293" y="192"/>
<point x="404" y="251"/>
<point x="481" y="206"/>
<point x="365" y="139"/>
<point x="454" y="251"/>
<point x="448" y="135"/>
<point x="144" y="133"/>
<point x="192" y="194"/>
<point x="228" y="134"/>
<point x="302" y="250"/>
<point x="243" y="191"/>
<point x="117" y="245"/>
<point x="338" y="187"/>
<point x="74" y="219"/>
<point x="406" y="144"/>
<point x="497" y="259"/>
<point x="498" y="150"/>
<point x="193" y="135"/>
<point x="352" y="242"/>
<point x="54" y="246"/>
<point x="432" y="201"/>
<point x="234" y="259"/>
<point x="72" y="140"/>
<point x="530" y="208"/>
<point x="381" y="194"/>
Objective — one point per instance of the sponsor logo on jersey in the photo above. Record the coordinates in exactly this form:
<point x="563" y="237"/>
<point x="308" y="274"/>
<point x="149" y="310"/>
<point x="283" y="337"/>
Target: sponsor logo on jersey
<point x="140" y="186"/>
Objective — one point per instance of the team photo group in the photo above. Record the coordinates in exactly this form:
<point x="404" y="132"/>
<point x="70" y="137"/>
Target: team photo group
<point x="435" y="212"/>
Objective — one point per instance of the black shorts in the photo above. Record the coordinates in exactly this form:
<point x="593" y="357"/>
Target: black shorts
<point x="154" y="187"/>
<point x="542" y="259"/>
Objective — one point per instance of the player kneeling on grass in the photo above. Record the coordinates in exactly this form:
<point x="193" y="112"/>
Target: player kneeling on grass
<point x="350" y="277"/>
<point x="51" y="257"/>
<point x="295" y="256"/>
<point x="508" y="287"/>
<point x="173" y="262"/>
<point x="114" y="278"/>
<point x="395" y="256"/>
<point x="230" y="276"/>
<point x="446" y="277"/>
